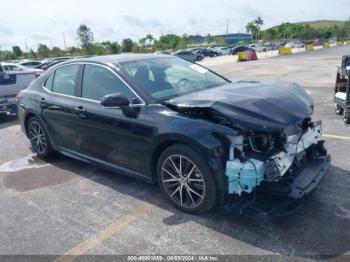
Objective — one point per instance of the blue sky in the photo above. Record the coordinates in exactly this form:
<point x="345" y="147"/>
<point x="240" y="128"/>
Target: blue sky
<point x="28" y="23"/>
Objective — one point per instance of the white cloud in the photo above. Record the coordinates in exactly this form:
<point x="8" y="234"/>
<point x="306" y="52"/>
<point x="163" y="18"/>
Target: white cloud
<point x="46" y="20"/>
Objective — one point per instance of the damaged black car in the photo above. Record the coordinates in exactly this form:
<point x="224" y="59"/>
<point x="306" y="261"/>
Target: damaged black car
<point x="166" y="120"/>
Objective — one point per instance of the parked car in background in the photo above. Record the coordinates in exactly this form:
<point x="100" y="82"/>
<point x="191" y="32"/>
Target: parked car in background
<point x="163" y="52"/>
<point x="31" y="64"/>
<point x="13" y="68"/>
<point x="276" y="45"/>
<point x="260" y="47"/>
<point x="13" y="78"/>
<point x="188" y="55"/>
<point x="225" y="50"/>
<point x="52" y="62"/>
<point x="165" y="120"/>
<point x="241" y="48"/>
<point x="296" y="44"/>
<point x="206" y="52"/>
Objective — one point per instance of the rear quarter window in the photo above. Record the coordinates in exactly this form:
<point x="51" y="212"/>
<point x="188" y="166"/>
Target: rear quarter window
<point x="49" y="81"/>
<point x="64" y="80"/>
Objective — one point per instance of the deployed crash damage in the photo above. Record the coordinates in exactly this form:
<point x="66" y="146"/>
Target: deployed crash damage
<point x="277" y="147"/>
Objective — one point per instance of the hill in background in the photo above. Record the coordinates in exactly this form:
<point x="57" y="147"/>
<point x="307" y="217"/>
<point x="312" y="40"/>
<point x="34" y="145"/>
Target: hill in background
<point x="318" y="24"/>
<point x="321" y="24"/>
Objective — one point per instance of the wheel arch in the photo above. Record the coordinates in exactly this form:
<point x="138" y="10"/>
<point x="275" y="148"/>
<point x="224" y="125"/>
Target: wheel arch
<point x="28" y="116"/>
<point x="166" y="141"/>
<point x="215" y="161"/>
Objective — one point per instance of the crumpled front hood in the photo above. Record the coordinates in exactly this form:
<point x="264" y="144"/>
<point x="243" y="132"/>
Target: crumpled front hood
<point x="255" y="106"/>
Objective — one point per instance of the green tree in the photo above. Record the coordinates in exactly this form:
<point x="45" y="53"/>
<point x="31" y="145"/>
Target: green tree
<point x="150" y="38"/>
<point x="74" y="51"/>
<point x="56" y="52"/>
<point x="269" y="34"/>
<point x="85" y="36"/>
<point x="169" y="41"/>
<point x="32" y="54"/>
<point x="142" y="41"/>
<point x="111" y="47"/>
<point x="17" y="52"/>
<point x="210" y="39"/>
<point x="43" y="51"/>
<point x="258" y="23"/>
<point x="136" y="48"/>
<point x="252" y="28"/>
<point x="127" y="45"/>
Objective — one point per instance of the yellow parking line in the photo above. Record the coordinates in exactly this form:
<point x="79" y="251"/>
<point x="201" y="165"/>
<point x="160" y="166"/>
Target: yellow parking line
<point x="110" y="230"/>
<point x="337" y="137"/>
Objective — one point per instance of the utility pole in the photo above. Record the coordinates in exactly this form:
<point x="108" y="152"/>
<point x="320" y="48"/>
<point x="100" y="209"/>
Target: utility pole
<point x="64" y="42"/>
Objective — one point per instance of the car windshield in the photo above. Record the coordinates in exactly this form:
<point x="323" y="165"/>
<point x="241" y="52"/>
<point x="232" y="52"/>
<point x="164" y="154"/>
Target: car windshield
<point x="169" y="77"/>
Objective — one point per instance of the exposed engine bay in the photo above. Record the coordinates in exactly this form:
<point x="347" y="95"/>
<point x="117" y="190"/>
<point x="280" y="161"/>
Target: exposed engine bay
<point x="254" y="158"/>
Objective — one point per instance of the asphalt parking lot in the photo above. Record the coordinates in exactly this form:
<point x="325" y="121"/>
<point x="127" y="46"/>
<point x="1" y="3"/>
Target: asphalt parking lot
<point x="68" y="207"/>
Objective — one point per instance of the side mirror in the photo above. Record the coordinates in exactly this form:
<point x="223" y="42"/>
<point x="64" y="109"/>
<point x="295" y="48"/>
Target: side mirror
<point x="114" y="100"/>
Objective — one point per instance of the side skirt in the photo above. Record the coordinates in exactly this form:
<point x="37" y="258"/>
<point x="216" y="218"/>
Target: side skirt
<point x="104" y="164"/>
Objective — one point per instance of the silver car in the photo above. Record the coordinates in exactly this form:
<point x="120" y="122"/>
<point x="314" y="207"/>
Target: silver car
<point x="188" y="55"/>
<point x="13" y="78"/>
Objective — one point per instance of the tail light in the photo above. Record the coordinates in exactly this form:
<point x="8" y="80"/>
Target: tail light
<point x="37" y="75"/>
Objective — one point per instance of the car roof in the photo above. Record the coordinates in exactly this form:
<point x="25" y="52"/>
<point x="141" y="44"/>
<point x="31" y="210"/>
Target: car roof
<point x="12" y="64"/>
<point x="116" y="59"/>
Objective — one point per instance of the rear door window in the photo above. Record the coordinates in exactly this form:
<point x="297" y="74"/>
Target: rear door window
<point x="99" y="81"/>
<point x="64" y="80"/>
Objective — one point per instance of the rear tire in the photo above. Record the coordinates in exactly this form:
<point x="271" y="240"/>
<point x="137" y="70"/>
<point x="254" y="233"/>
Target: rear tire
<point x="38" y="138"/>
<point x="186" y="179"/>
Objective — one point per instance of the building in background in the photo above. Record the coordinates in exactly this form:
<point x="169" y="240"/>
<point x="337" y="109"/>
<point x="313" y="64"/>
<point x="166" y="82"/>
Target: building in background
<point x="228" y="39"/>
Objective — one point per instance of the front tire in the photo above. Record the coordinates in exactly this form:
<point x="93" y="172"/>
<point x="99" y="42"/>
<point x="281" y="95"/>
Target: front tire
<point x="38" y="138"/>
<point x="186" y="179"/>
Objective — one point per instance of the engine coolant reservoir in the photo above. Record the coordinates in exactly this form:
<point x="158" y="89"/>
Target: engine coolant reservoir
<point x="244" y="176"/>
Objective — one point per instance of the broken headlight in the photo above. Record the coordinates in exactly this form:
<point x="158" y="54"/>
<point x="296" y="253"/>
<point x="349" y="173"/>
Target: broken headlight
<point x="261" y="143"/>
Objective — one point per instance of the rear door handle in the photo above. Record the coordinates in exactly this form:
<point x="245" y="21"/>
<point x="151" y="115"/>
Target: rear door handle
<point x="80" y="111"/>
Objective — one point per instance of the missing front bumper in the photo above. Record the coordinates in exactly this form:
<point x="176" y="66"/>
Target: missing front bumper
<point x="303" y="181"/>
<point x="277" y="199"/>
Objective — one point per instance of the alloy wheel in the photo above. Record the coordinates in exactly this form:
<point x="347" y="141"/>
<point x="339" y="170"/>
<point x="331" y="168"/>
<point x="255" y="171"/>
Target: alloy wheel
<point x="183" y="181"/>
<point x="37" y="137"/>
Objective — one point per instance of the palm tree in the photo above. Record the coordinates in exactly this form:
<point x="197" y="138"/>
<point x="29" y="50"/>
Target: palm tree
<point x="258" y="23"/>
<point x="142" y="41"/>
<point x="150" y="39"/>
<point x="251" y="28"/>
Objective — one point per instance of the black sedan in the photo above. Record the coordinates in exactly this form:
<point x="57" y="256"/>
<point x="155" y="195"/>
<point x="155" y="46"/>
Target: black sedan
<point x="241" y="48"/>
<point x="207" y="52"/>
<point x="163" y="119"/>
